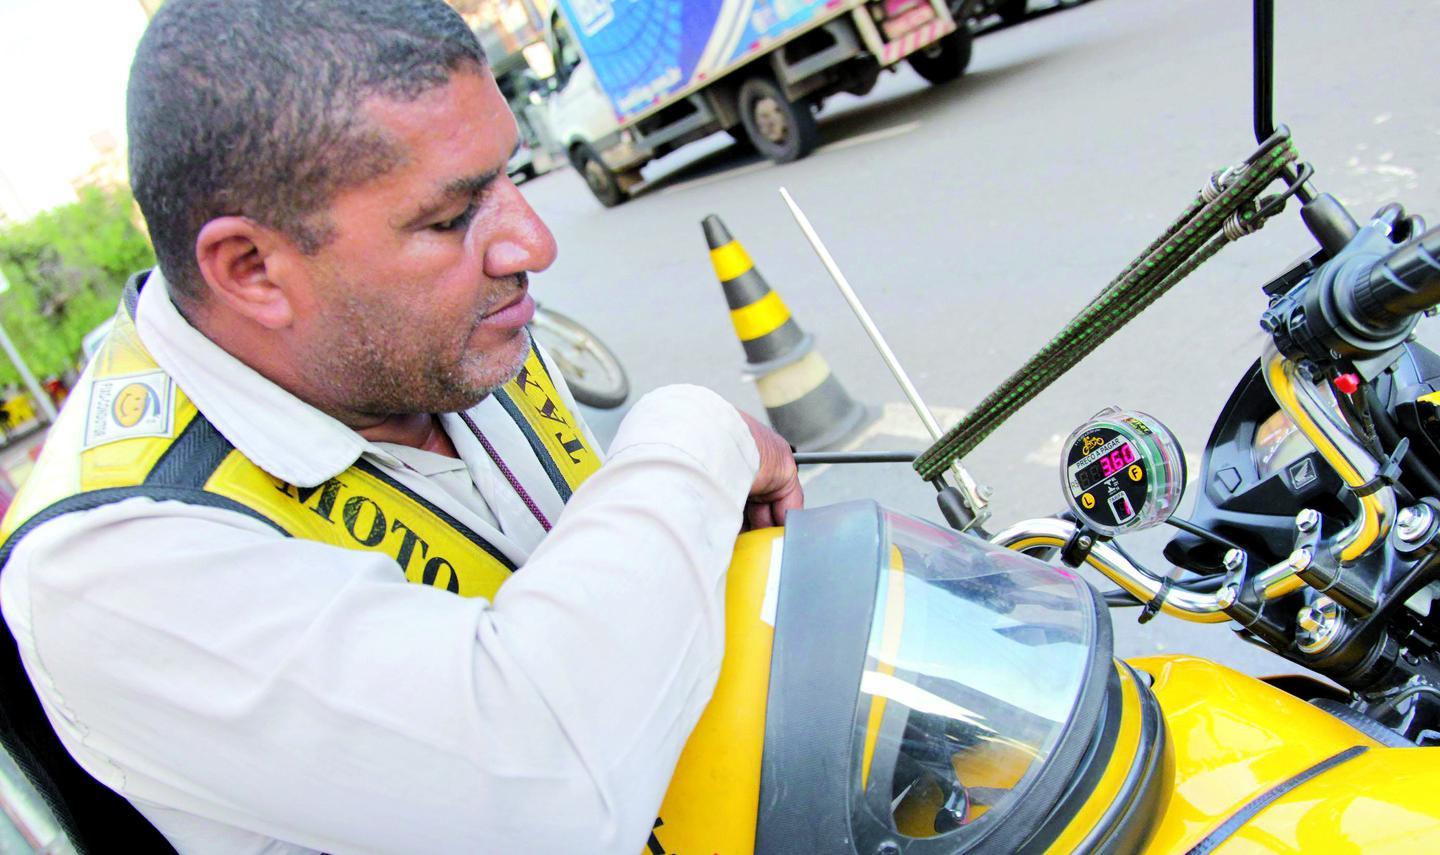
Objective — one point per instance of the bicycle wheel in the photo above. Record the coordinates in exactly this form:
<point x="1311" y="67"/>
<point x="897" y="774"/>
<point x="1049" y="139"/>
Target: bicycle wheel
<point x="594" y="374"/>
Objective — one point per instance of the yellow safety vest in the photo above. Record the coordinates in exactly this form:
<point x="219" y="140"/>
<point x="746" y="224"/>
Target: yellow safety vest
<point x="137" y="434"/>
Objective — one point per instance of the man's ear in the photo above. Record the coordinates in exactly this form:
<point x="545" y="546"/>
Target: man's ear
<point x="244" y="265"/>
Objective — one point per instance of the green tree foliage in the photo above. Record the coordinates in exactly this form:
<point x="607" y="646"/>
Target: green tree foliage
<point x="66" y="268"/>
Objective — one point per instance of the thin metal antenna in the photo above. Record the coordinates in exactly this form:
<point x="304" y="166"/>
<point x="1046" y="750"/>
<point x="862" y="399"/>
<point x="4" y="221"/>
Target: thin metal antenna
<point x="973" y="493"/>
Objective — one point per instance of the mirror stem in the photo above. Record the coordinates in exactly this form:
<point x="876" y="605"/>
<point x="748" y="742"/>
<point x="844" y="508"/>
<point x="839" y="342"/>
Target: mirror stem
<point x="1264" y="69"/>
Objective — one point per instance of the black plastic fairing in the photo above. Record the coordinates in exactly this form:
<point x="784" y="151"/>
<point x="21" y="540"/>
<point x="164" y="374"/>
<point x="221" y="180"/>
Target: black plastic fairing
<point x="1256" y="512"/>
<point x="1414" y="376"/>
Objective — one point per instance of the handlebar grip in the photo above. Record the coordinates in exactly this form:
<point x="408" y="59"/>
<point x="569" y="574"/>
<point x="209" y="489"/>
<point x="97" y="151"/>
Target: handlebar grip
<point x="1403" y="283"/>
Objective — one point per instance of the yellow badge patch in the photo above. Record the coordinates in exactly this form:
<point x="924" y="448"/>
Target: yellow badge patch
<point x="131" y="406"/>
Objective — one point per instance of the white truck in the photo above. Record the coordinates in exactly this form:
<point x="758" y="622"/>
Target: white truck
<point x="636" y="79"/>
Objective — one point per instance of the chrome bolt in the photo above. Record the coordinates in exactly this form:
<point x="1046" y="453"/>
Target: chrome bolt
<point x="1413" y="522"/>
<point x="1234" y="560"/>
<point x="1319" y="625"/>
<point x="1228" y="596"/>
<point x="1307" y="520"/>
<point x="1300" y="559"/>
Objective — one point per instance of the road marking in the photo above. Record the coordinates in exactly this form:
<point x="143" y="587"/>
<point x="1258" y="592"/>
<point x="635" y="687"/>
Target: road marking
<point x="896" y="420"/>
<point x="719" y="176"/>
<point x="900" y="419"/>
<point x="861" y="139"/>
<point x="873" y="136"/>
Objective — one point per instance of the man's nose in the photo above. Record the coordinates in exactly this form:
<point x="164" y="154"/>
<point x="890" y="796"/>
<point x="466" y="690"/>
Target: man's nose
<point x="523" y="242"/>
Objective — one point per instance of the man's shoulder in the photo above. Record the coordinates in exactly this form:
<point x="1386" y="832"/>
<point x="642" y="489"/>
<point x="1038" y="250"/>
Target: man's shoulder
<point x="71" y="529"/>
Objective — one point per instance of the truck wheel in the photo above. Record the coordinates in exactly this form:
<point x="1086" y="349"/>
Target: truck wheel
<point x="1011" y="11"/>
<point x="597" y="175"/>
<point x="945" y="60"/>
<point x="781" y="129"/>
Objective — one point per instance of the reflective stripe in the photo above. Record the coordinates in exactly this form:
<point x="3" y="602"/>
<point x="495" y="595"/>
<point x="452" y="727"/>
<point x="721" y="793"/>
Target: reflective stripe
<point x="794" y="381"/>
<point x="760" y="318"/>
<point x="730" y="261"/>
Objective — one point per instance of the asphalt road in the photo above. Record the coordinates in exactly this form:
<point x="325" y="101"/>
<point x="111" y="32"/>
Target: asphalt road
<point x="976" y="218"/>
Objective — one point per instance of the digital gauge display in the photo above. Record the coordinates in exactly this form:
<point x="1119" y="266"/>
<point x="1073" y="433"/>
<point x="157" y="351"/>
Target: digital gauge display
<point x="1109" y="464"/>
<point x="1123" y="471"/>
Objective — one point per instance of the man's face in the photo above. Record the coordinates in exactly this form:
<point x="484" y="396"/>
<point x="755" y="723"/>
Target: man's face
<point x="418" y="302"/>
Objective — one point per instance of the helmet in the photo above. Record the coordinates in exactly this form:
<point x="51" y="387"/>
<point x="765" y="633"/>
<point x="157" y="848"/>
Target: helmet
<point x="892" y="686"/>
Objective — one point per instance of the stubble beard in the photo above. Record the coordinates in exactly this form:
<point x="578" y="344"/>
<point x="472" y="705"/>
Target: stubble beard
<point x="368" y="370"/>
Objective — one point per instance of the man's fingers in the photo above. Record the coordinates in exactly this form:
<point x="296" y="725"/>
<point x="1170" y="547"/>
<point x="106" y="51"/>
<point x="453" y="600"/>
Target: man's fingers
<point x="758" y="516"/>
<point x="791" y="500"/>
<point x="777" y="482"/>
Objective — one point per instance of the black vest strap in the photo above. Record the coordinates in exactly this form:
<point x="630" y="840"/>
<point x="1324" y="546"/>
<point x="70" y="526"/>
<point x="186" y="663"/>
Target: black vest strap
<point x="194" y="456"/>
<point x="537" y="445"/>
<point x="470" y="535"/>
<point x="130" y="296"/>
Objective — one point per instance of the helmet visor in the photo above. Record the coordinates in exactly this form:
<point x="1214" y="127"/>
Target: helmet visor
<point x="975" y="663"/>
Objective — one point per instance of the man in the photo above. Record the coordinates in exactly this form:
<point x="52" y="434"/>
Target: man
<point x="326" y="390"/>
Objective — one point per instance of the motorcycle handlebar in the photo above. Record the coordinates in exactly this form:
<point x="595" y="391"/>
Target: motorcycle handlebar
<point x="1361" y="303"/>
<point x="1404" y="283"/>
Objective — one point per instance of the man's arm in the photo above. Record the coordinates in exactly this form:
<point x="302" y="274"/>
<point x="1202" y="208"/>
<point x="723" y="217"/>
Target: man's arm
<point x="308" y="693"/>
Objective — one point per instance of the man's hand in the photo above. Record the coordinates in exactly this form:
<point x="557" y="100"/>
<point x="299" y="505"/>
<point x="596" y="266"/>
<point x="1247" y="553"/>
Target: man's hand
<point x="776" y="490"/>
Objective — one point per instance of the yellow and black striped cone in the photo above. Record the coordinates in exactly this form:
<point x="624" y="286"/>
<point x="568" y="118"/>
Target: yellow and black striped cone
<point x="805" y="402"/>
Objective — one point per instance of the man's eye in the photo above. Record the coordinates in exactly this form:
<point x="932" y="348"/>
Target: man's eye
<point x="456" y="223"/>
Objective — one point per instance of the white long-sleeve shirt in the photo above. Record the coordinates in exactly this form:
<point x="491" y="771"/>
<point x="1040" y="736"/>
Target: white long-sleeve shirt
<point x="251" y="693"/>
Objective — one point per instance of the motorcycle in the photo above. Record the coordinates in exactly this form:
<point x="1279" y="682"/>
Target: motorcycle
<point x="893" y="685"/>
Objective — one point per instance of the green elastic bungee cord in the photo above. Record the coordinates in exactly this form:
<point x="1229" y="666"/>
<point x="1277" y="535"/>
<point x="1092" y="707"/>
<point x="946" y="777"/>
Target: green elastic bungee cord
<point x="1191" y="240"/>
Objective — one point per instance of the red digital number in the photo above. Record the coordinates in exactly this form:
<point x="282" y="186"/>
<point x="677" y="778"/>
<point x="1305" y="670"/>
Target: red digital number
<point x="1116" y="460"/>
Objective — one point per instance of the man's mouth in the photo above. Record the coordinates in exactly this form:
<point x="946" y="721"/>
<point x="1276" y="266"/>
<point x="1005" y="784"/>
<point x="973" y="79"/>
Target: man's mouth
<point x="513" y="313"/>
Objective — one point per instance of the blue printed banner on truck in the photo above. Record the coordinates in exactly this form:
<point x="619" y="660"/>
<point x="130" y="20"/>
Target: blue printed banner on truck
<point x="645" y="50"/>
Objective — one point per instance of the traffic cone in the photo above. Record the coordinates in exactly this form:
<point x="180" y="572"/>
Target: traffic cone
<point x="803" y="400"/>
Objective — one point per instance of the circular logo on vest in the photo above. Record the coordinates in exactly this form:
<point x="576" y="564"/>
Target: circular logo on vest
<point x="133" y="403"/>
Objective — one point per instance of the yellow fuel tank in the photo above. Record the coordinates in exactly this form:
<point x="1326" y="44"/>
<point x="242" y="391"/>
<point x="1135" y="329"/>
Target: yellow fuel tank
<point x="715" y="792"/>
<point x="1236" y="739"/>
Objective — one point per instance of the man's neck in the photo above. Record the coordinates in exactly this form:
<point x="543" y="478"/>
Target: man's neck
<point x="420" y="430"/>
<point x="417" y="430"/>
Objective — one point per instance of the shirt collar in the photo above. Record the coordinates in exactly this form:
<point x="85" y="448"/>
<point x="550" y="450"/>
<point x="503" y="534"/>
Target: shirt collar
<point x="280" y="433"/>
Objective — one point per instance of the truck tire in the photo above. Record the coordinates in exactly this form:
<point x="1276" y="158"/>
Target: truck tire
<point x="781" y="129"/>
<point x="598" y="177"/>
<point x="945" y="60"/>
